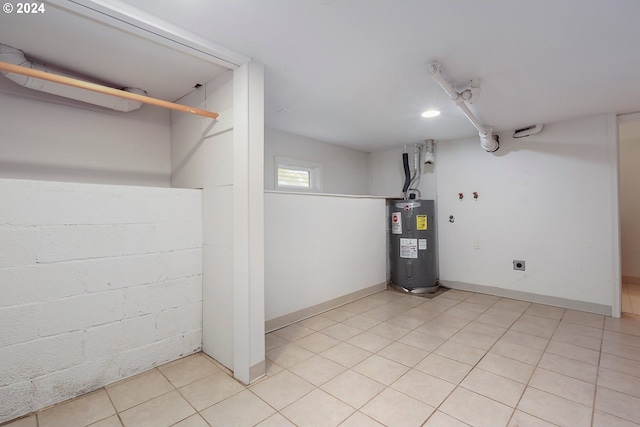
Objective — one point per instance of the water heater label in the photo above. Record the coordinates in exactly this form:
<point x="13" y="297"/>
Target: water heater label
<point x="396" y="223"/>
<point x="422" y="244"/>
<point x="408" y="248"/>
<point x="421" y="222"/>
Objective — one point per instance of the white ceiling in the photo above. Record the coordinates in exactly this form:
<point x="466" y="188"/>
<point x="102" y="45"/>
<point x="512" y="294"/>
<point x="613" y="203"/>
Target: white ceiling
<point x="354" y="72"/>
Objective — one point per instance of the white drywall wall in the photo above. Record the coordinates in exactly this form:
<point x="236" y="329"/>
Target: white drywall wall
<point x="46" y="137"/>
<point x="218" y="194"/>
<point x="545" y="199"/>
<point x="319" y="248"/>
<point x="97" y="283"/>
<point x="225" y="158"/>
<point x="202" y="157"/>
<point x="344" y="170"/>
<point x="630" y="209"/>
<point x="248" y="223"/>
<point x="187" y="143"/>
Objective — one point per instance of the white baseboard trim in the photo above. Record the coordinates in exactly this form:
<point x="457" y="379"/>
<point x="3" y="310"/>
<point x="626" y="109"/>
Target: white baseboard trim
<point x="530" y="297"/>
<point x="296" y="316"/>
<point x="257" y="371"/>
<point x="631" y="280"/>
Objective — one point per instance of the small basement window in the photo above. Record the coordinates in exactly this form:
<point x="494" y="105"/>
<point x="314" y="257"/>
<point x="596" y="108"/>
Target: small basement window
<point x="298" y="175"/>
<point x="290" y="177"/>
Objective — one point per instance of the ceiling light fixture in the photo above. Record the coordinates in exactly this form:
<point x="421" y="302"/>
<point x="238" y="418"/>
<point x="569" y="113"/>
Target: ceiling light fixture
<point x="431" y="113"/>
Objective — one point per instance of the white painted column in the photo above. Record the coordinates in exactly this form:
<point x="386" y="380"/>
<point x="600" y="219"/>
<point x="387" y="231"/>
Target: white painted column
<point x="613" y="145"/>
<point x="248" y="223"/>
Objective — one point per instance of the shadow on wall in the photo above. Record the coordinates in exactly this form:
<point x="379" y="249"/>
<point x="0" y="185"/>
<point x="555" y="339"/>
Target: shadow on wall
<point x="555" y="140"/>
<point x="34" y="171"/>
<point x="557" y="149"/>
<point x="177" y="169"/>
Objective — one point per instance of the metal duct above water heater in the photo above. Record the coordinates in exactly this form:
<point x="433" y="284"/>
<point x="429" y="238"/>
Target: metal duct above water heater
<point x="413" y="245"/>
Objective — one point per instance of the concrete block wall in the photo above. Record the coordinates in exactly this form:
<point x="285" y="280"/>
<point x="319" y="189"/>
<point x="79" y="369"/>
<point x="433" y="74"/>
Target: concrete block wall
<point x="97" y="283"/>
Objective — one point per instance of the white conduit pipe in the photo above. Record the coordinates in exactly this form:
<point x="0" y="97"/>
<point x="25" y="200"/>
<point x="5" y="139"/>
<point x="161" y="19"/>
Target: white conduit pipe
<point x="487" y="140"/>
<point x="429" y="153"/>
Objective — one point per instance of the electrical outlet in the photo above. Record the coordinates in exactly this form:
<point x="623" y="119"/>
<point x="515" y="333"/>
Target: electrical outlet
<point x="476" y="244"/>
<point x="518" y="265"/>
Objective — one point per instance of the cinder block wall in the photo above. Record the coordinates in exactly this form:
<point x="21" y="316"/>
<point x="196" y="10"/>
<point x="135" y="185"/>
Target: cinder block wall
<point x="97" y="283"/>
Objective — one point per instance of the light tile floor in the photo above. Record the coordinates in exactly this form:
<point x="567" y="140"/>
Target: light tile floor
<point x="390" y="359"/>
<point x="630" y="298"/>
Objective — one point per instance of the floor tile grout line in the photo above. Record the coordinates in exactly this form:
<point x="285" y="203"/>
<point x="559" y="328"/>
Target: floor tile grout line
<point x="114" y="406"/>
<point x="486" y="351"/>
<point x="319" y="387"/>
<point x="515" y="408"/>
<point x="595" y="388"/>
<point x="175" y="388"/>
<point x="187" y="400"/>
<point x="560" y="322"/>
<point x="437" y="408"/>
<point x="268" y="404"/>
<point x="533" y="373"/>
<point x="314" y="388"/>
<point x="537" y="363"/>
<point x="385" y="387"/>
<point x="619" y="392"/>
<point x="475" y="365"/>
<point x="38" y="412"/>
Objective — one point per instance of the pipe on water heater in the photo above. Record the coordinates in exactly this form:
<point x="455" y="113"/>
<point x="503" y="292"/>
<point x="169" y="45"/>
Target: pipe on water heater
<point x="429" y="157"/>
<point x="407" y="173"/>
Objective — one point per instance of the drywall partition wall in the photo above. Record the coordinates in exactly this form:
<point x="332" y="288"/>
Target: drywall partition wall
<point x="187" y="143"/>
<point x="225" y="159"/>
<point x="189" y="133"/>
<point x="50" y="138"/>
<point x="218" y="193"/>
<point x="546" y="199"/>
<point x="202" y="157"/>
<point x="97" y="283"/>
<point x="386" y="173"/>
<point x="249" y="222"/>
<point x="630" y="209"/>
<point x="344" y="170"/>
<point x="320" y="251"/>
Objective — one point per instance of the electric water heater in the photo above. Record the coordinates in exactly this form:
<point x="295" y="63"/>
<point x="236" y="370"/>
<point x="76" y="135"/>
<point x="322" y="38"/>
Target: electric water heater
<point x="414" y="264"/>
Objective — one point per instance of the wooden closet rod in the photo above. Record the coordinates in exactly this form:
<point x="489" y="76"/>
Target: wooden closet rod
<point x="5" y="66"/>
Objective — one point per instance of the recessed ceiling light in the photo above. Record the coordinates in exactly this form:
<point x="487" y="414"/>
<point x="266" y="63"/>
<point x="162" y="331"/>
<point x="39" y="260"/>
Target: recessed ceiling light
<point x="431" y="113"/>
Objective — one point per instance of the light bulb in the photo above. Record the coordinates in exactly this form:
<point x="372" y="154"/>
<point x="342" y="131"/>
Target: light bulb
<point x="431" y="113"/>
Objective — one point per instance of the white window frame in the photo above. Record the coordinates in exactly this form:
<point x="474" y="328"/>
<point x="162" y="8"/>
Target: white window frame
<point x="314" y="169"/>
